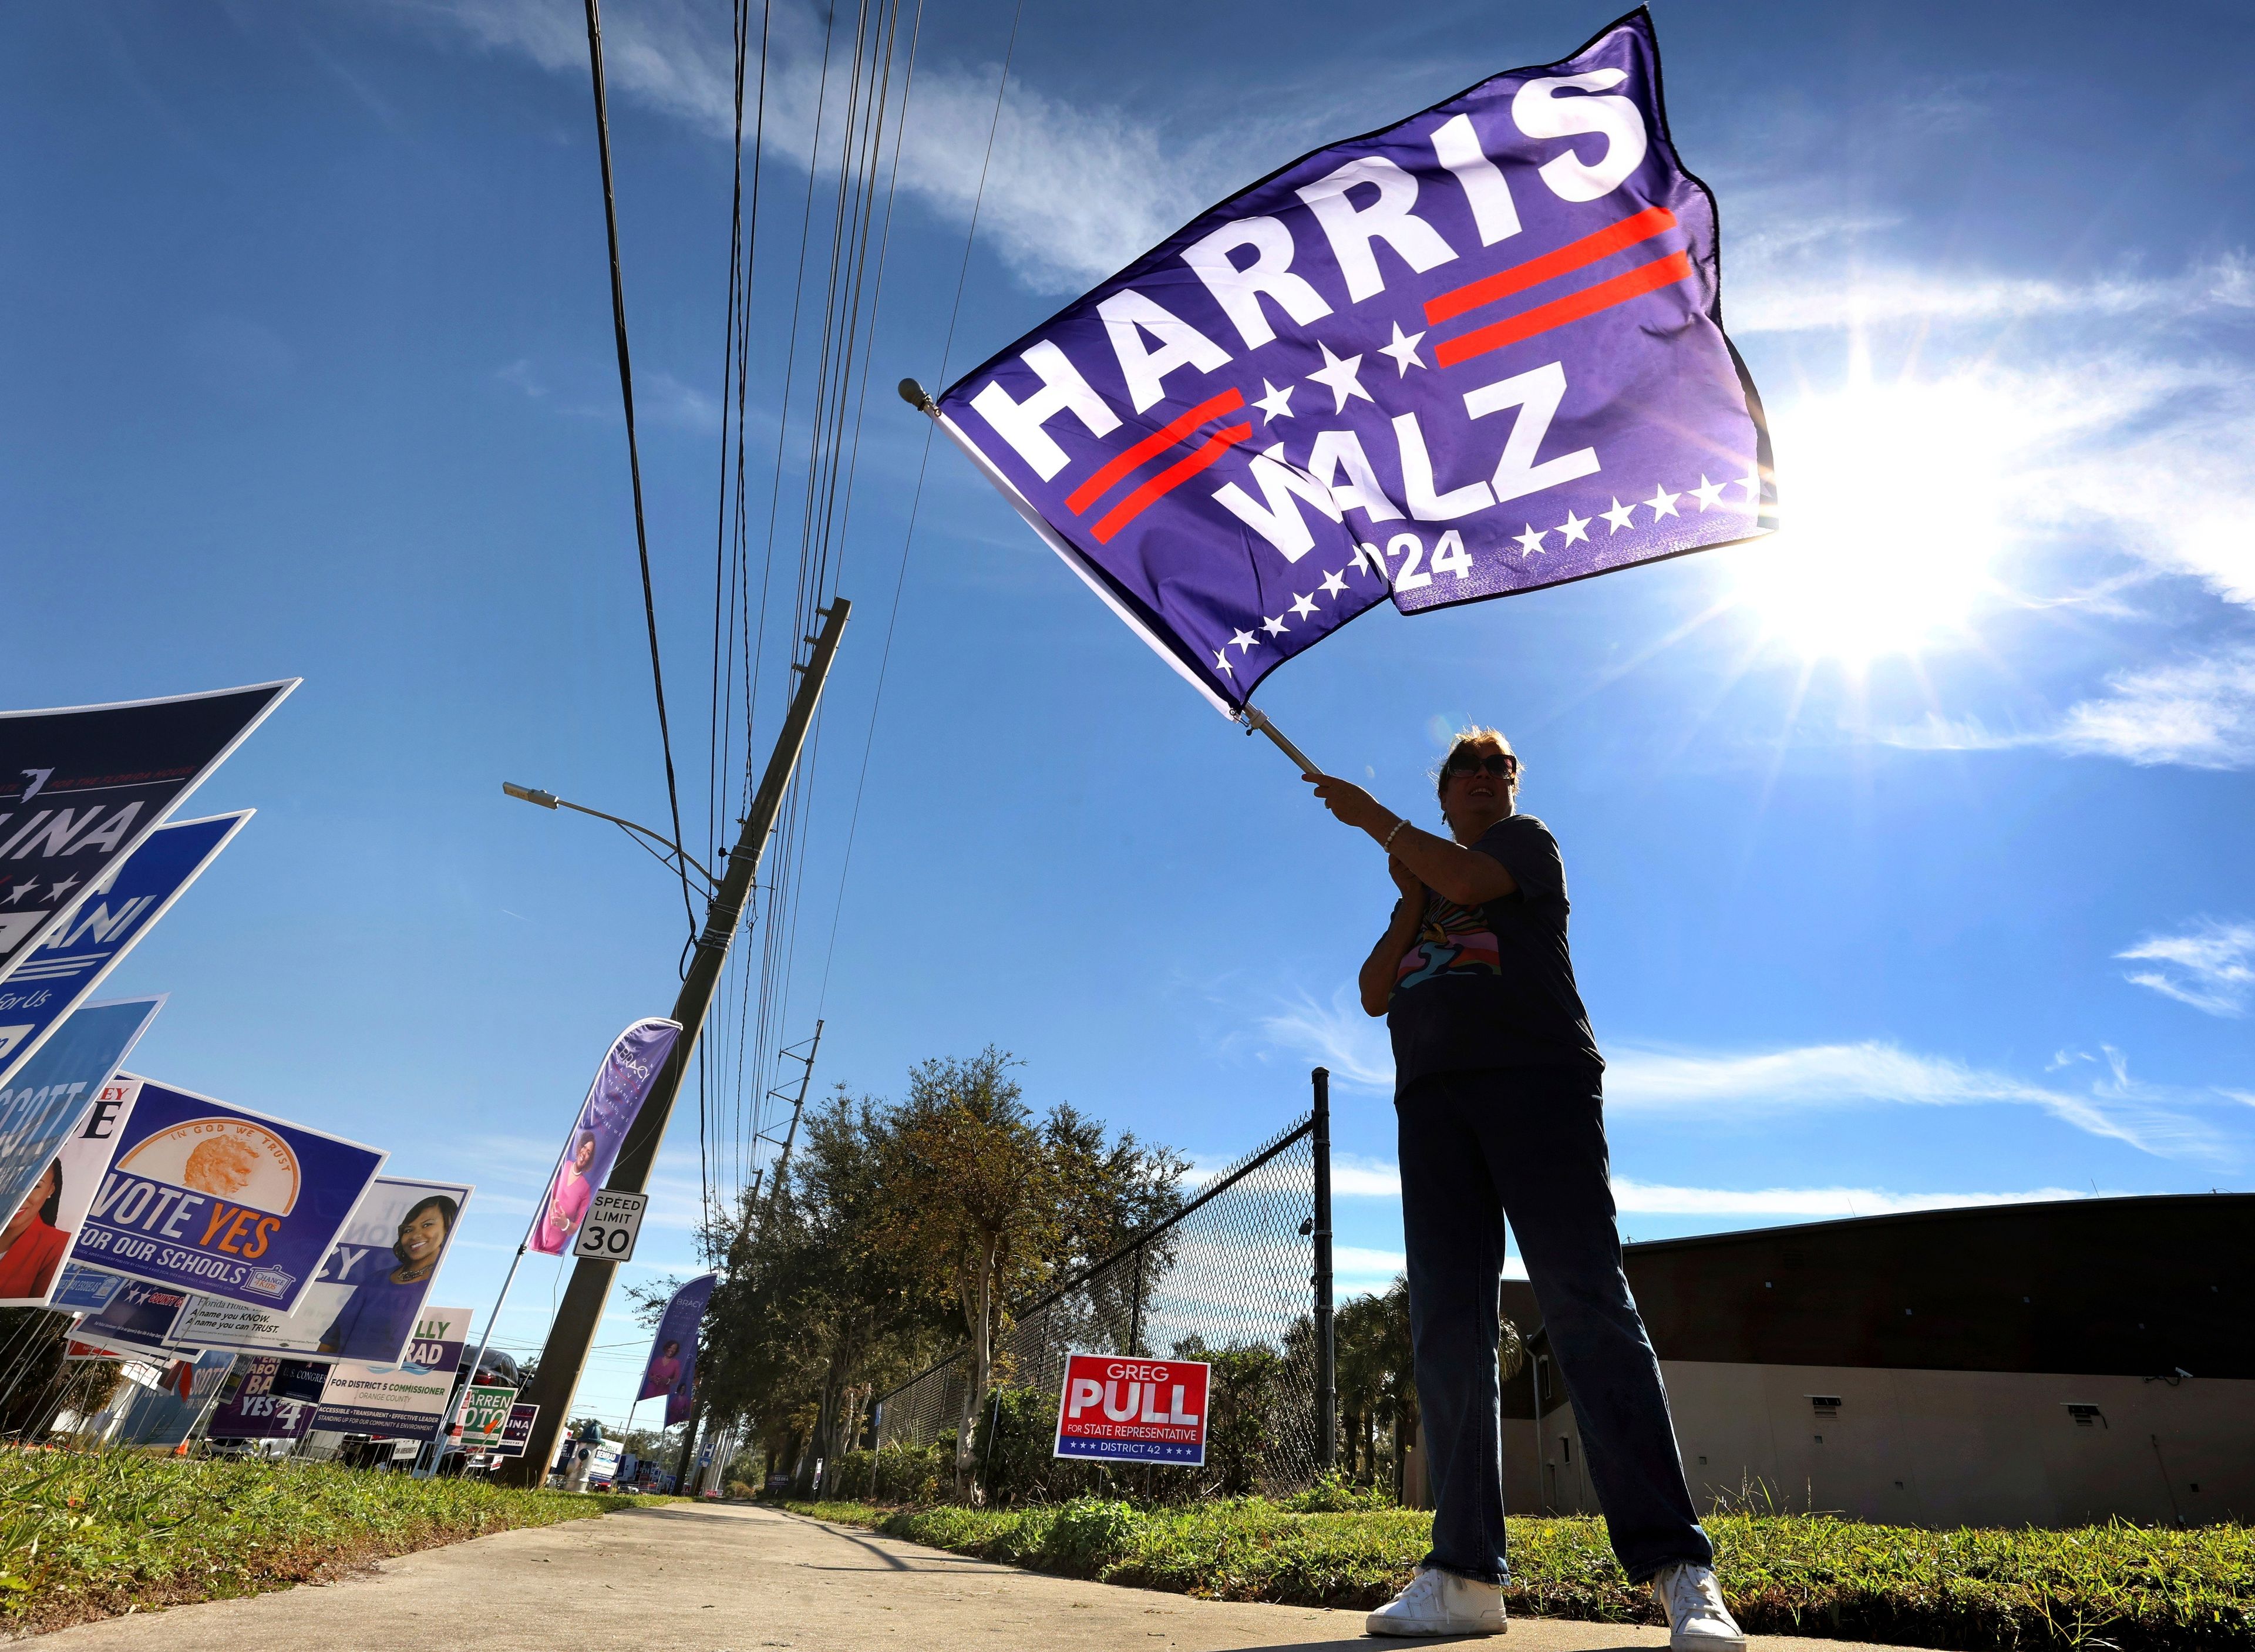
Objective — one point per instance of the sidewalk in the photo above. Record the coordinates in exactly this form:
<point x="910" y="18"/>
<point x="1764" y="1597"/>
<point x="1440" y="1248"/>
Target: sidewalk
<point x="732" y="1578"/>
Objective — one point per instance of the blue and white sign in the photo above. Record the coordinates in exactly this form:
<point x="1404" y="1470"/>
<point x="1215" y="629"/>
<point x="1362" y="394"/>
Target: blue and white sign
<point x="59" y="977"/>
<point x="208" y="1198"/>
<point x="40" y="1112"/>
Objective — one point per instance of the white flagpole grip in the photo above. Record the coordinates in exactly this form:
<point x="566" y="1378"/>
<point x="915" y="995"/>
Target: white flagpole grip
<point x="1256" y="720"/>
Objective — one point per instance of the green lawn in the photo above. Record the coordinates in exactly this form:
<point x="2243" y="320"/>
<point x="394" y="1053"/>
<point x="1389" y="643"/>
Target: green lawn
<point x="2128" y="1588"/>
<point x="88" y="1533"/>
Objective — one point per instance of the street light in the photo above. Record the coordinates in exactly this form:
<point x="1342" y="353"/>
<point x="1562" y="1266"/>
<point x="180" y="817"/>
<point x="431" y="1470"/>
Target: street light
<point x="550" y="800"/>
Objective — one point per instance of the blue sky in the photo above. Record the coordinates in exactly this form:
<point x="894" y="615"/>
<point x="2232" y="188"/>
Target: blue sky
<point x="1908" y="854"/>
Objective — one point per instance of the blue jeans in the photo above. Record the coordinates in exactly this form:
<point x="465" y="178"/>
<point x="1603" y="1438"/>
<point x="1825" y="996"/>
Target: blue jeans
<point x="1529" y="1141"/>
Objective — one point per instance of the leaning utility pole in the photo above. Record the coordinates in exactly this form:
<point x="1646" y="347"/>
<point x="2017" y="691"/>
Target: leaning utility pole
<point x="573" y="1331"/>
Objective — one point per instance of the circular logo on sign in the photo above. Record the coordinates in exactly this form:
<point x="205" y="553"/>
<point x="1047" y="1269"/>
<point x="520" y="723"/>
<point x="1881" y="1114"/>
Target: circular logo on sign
<point x="228" y="1158"/>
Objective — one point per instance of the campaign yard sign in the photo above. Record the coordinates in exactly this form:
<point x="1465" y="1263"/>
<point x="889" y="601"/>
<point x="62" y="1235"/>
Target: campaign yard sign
<point x="1117" y="1409"/>
<point x="485" y="1416"/>
<point x="216" y="1198"/>
<point x="516" y="1432"/>
<point x="41" y="1109"/>
<point x="82" y="786"/>
<point x="140" y="1317"/>
<point x="363" y="1302"/>
<point x="406" y="1401"/>
<point x="268" y="1398"/>
<point x="58" y="978"/>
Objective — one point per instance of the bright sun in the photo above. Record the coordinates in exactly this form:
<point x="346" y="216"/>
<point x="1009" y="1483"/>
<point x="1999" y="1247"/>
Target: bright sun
<point x="1888" y="495"/>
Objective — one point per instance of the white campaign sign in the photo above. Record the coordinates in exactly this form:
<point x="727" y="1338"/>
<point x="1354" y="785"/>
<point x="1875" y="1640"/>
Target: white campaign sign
<point x="614" y="1220"/>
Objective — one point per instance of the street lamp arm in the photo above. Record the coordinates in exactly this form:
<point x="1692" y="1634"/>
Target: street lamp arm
<point x="550" y="800"/>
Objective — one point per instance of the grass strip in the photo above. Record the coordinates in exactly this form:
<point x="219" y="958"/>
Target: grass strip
<point x="2113" y="1588"/>
<point x="88" y="1535"/>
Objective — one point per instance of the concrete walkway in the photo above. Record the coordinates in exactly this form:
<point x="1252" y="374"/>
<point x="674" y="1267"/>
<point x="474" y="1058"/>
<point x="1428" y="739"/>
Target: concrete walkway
<point x="732" y="1578"/>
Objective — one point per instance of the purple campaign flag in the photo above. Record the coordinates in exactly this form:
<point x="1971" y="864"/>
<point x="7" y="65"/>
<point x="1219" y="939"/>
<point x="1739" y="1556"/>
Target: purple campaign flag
<point x="1476" y="353"/>
<point x="621" y="1085"/>
<point x="672" y="1367"/>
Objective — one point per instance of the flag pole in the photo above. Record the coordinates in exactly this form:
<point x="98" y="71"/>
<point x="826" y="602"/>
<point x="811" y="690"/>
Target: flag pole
<point x="1253" y="719"/>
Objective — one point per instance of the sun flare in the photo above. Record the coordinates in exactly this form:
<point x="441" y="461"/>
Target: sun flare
<point x="1890" y="498"/>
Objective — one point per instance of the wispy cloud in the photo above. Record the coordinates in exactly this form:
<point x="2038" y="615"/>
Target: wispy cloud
<point x="2211" y="967"/>
<point x="2198" y="714"/>
<point x="1781" y="286"/>
<point x="2153" y="1118"/>
<point x="1073" y="190"/>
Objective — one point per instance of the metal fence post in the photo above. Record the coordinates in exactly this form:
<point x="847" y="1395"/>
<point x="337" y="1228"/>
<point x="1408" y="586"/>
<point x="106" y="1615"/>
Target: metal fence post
<point x="1326" y="1353"/>
<point x="1135" y="1314"/>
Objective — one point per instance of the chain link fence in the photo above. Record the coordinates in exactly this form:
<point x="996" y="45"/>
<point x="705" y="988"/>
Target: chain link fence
<point x="1233" y="1278"/>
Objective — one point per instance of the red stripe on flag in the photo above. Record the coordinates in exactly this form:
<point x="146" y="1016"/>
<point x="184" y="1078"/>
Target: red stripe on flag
<point x="1168" y="479"/>
<point x="1645" y="278"/>
<point x="1157" y="442"/>
<point x="1573" y="256"/>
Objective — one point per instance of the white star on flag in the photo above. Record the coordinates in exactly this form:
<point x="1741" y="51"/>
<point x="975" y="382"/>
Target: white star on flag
<point x="1529" y="542"/>
<point x="1277" y="404"/>
<point x="1334" y="582"/>
<point x="1752" y="483"/>
<point x="1575" y="528"/>
<point x="1245" y="642"/>
<point x="1273" y="625"/>
<point x="1620" y="515"/>
<point x="1341" y="377"/>
<point x="22" y="890"/>
<point x="62" y="888"/>
<point x="1708" y="493"/>
<point x="1304" y="606"/>
<point x="1221" y="661"/>
<point x="1403" y="350"/>
<point x="1662" y="503"/>
<point x="1368" y="560"/>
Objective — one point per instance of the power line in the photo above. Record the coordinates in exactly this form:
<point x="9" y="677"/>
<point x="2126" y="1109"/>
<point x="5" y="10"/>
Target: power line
<point x="634" y="449"/>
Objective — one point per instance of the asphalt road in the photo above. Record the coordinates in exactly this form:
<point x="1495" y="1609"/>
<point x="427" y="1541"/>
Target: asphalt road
<point x="731" y="1577"/>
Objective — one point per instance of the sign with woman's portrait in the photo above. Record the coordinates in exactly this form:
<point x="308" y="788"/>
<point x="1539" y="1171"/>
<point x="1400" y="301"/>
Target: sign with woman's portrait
<point x="362" y="1304"/>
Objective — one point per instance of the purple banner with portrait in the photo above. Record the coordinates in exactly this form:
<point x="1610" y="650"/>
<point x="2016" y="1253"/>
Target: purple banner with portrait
<point x="1476" y="353"/>
<point x="672" y="1367"/>
<point x="621" y="1085"/>
<point x="267" y="1398"/>
<point x="220" y="1200"/>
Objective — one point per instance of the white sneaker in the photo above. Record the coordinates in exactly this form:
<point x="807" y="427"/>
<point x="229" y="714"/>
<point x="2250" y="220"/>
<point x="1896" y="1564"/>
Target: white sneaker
<point x="1697" y="1619"/>
<point x="1439" y="1602"/>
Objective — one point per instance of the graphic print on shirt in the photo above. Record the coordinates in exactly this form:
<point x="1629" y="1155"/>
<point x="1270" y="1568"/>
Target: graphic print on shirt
<point x="1453" y="941"/>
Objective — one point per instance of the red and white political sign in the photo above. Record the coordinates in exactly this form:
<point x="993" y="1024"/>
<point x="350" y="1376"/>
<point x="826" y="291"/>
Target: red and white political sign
<point x="1118" y="1410"/>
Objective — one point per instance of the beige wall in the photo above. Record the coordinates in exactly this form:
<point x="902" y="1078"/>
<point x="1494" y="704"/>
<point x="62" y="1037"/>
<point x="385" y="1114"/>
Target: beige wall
<point x="1937" y="1448"/>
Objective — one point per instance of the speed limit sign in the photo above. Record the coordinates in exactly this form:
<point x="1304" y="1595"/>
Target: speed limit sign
<point x="608" y="1232"/>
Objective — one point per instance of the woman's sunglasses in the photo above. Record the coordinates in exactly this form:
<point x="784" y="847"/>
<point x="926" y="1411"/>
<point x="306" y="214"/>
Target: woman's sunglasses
<point x="1464" y="762"/>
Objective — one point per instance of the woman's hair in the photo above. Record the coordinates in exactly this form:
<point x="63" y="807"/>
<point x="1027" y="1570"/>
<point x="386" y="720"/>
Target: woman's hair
<point x="447" y="1209"/>
<point x="53" y="1209"/>
<point x="671" y="1347"/>
<point x="1475" y="736"/>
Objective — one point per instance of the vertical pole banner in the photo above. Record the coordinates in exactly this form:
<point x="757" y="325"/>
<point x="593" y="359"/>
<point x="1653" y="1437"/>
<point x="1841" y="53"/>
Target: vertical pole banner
<point x="107" y="923"/>
<point x="82" y="787"/>
<point x="363" y="1302"/>
<point x="206" y="1196"/>
<point x="672" y="1369"/>
<point x="621" y="1085"/>
<point x="55" y="1098"/>
<point x="1117" y="1409"/>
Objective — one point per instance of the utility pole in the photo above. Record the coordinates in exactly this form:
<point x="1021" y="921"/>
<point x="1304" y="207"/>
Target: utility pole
<point x="573" y="1331"/>
<point x="744" y="1225"/>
